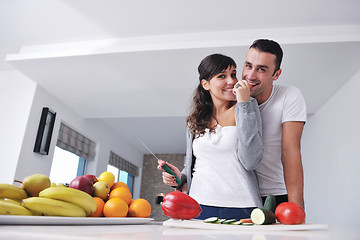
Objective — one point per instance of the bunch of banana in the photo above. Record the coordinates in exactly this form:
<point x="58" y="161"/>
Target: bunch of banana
<point x="11" y="207"/>
<point x="53" y="201"/>
<point x="52" y="207"/>
<point x="12" y="192"/>
<point x="10" y="197"/>
<point x="69" y="195"/>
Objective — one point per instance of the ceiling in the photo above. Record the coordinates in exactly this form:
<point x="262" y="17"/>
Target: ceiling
<point x="133" y="64"/>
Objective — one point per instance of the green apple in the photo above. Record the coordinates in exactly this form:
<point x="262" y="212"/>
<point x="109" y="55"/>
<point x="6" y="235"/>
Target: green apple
<point x="101" y="190"/>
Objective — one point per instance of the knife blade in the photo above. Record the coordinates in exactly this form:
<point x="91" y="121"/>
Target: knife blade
<point x="162" y="164"/>
<point x="149" y="150"/>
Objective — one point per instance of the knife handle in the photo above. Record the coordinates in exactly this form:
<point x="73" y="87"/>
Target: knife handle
<point x="168" y="170"/>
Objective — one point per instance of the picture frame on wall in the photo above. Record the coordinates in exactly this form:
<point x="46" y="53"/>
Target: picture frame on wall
<point x="46" y="126"/>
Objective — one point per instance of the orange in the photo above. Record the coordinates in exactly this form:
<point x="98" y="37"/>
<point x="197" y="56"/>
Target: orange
<point x="140" y="208"/>
<point x="115" y="207"/>
<point x="107" y="177"/>
<point x="122" y="193"/>
<point x="119" y="184"/>
<point x="99" y="209"/>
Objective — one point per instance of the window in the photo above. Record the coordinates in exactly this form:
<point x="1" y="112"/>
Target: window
<point x="66" y="166"/>
<point x="71" y="154"/>
<point x="123" y="170"/>
<point x="122" y="176"/>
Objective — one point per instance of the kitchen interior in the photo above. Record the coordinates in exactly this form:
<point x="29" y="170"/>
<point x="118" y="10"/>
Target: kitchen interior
<point x="123" y="72"/>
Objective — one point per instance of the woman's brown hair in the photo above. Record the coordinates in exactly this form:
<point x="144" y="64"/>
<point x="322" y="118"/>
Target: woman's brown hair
<point x="202" y="108"/>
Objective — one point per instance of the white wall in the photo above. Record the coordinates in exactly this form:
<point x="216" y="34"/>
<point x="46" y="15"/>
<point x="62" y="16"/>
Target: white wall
<point x="25" y="162"/>
<point x="331" y="148"/>
<point x="16" y="94"/>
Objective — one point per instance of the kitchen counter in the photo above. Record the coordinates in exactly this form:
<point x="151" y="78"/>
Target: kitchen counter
<point x="156" y="230"/>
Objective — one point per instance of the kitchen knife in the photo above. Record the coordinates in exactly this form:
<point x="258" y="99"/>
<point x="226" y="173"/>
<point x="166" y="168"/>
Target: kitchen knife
<point x="162" y="164"/>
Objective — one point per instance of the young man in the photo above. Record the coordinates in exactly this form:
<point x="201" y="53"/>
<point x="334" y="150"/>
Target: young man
<point x="283" y="112"/>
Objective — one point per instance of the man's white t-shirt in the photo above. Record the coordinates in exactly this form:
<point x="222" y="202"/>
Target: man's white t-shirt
<point x="286" y="103"/>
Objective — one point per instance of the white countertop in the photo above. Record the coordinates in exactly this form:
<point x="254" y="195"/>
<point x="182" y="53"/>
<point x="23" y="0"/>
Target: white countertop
<point x="155" y="230"/>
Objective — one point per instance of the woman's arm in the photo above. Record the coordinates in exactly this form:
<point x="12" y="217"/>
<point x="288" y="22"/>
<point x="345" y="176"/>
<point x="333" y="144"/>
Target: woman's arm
<point x="249" y="127"/>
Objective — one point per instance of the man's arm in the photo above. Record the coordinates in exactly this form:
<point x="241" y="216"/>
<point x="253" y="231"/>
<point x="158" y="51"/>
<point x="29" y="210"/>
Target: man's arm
<point x="291" y="160"/>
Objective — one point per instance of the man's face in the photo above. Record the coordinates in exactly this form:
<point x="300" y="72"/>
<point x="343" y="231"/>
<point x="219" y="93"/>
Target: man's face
<point x="259" y="71"/>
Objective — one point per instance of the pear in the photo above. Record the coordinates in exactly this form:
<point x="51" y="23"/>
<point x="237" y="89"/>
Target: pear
<point x="101" y="190"/>
<point x="35" y="183"/>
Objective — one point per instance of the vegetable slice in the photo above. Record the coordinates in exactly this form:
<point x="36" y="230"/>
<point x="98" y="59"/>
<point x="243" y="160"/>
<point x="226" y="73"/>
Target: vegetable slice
<point x="229" y="221"/>
<point x="211" y="220"/>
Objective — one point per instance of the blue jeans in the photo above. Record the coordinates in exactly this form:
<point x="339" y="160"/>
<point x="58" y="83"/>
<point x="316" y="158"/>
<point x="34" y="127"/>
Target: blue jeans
<point x="224" y="212"/>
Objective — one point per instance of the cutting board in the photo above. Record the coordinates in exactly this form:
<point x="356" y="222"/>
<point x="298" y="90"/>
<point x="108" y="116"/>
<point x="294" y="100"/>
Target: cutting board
<point x="199" y="224"/>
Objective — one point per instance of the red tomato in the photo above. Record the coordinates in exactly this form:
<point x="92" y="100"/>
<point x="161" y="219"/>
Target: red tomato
<point x="290" y="213"/>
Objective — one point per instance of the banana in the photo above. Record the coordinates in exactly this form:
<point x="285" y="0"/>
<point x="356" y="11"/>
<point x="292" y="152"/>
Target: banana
<point x="71" y="195"/>
<point x="52" y="207"/>
<point x="12" y="192"/>
<point x="11" y="208"/>
<point x="18" y="202"/>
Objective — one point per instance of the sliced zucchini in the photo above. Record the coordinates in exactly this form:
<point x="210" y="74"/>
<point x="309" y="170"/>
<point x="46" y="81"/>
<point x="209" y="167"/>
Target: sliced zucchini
<point x="247" y="224"/>
<point x="229" y="221"/>
<point x="221" y="220"/>
<point x="237" y="223"/>
<point x="262" y="216"/>
<point x="211" y="220"/>
<point x="270" y="203"/>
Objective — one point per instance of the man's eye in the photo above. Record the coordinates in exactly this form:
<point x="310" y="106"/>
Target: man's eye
<point x="261" y="70"/>
<point x="248" y="66"/>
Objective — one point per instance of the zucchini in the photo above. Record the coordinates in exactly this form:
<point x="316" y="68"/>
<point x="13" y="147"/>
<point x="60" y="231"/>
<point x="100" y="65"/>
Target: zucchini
<point x="237" y="223"/>
<point x="270" y="203"/>
<point x="247" y="224"/>
<point x="221" y="220"/>
<point x="262" y="216"/>
<point x="211" y="220"/>
<point x="229" y="221"/>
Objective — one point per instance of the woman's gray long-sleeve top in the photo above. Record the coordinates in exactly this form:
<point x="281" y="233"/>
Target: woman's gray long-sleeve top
<point x="249" y="152"/>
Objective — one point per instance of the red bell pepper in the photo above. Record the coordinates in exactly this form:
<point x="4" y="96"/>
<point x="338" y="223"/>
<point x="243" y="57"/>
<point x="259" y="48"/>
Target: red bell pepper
<point x="178" y="205"/>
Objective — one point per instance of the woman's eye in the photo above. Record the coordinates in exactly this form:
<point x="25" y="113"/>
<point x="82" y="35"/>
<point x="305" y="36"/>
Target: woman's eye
<point x="233" y="75"/>
<point x="221" y="76"/>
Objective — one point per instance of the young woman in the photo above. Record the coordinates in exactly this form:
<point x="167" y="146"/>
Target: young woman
<point x="223" y="143"/>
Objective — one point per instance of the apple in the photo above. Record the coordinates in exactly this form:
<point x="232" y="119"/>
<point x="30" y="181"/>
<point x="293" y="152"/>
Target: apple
<point x="101" y="190"/>
<point x="92" y="178"/>
<point x="83" y="184"/>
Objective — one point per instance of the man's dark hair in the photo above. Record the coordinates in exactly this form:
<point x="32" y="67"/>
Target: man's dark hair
<point x="269" y="46"/>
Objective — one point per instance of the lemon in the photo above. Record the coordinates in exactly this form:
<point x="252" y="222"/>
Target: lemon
<point x="107" y="177"/>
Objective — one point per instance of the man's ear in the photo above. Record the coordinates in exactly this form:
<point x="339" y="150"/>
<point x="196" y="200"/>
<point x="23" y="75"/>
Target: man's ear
<point x="276" y="75"/>
<point x="205" y="84"/>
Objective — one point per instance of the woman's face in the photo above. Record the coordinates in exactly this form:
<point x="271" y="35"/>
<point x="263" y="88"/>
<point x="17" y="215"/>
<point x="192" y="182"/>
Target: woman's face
<point x="221" y="85"/>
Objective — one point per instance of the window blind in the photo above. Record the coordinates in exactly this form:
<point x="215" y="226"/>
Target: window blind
<point x="75" y="142"/>
<point x="122" y="164"/>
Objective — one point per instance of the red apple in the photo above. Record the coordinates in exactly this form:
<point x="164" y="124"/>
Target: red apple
<point x="83" y="184"/>
<point x="92" y="178"/>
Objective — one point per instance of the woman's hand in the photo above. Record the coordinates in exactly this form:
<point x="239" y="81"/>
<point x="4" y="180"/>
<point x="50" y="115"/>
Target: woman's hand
<point x="242" y="91"/>
<point x="169" y="179"/>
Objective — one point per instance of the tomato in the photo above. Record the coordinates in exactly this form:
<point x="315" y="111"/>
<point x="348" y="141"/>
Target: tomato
<point x="178" y="205"/>
<point x="290" y="213"/>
